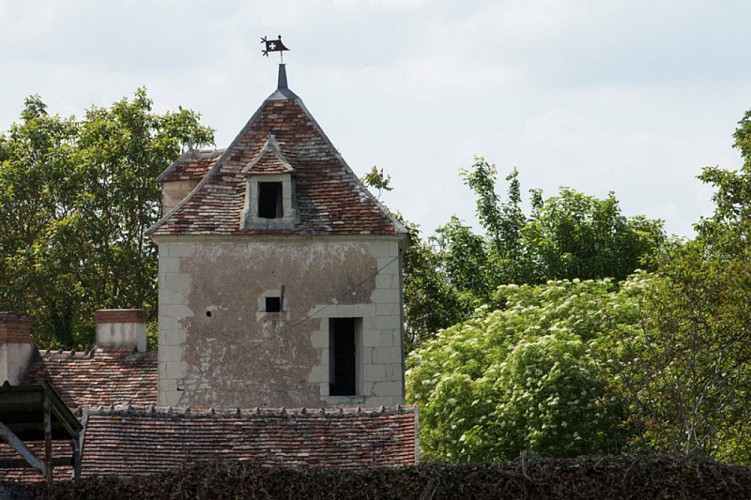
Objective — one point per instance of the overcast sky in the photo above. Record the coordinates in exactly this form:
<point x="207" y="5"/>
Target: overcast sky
<point x="626" y="96"/>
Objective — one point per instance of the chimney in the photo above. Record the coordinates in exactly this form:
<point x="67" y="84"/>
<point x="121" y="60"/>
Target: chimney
<point x="16" y="346"/>
<point x="121" y="328"/>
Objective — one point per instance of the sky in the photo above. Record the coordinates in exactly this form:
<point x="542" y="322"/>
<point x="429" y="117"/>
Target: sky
<point x="631" y="96"/>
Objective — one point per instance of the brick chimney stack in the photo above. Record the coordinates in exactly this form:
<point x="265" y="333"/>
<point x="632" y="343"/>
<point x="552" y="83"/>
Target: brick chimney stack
<point x="16" y="346"/>
<point x="121" y="328"/>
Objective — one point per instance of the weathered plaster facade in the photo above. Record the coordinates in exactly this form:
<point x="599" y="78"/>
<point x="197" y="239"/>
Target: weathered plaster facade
<point x="217" y="347"/>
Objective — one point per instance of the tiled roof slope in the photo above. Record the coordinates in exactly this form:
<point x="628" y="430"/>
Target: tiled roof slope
<point x="330" y="197"/>
<point x="60" y="449"/>
<point x="98" y="377"/>
<point x="131" y="442"/>
<point x="269" y="160"/>
<point x="192" y="165"/>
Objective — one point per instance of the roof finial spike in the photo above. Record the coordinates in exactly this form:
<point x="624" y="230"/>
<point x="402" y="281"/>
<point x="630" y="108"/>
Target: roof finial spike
<point x="282" y="82"/>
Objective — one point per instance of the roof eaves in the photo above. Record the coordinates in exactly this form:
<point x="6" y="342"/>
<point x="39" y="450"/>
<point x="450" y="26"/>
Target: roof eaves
<point x="161" y="411"/>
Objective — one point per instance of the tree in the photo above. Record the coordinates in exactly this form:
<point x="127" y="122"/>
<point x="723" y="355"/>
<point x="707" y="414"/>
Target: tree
<point x="569" y="236"/>
<point x="429" y="301"/>
<point x="689" y="374"/>
<point x="77" y="196"/>
<point x="528" y="377"/>
<point x="37" y="185"/>
<point x="465" y="263"/>
<point x="662" y="359"/>
<point x="577" y="236"/>
<point x="502" y="221"/>
<point x="686" y="371"/>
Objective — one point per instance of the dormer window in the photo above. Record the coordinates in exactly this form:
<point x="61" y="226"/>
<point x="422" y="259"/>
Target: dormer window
<point x="270" y="200"/>
<point x="270" y="196"/>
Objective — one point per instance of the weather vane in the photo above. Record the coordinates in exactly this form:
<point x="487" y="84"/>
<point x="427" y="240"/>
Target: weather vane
<point x="274" y="46"/>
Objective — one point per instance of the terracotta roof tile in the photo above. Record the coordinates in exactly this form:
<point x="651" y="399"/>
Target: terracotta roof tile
<point x="192" y="165"/>
<point x="330" y="197"/>
<point x="98" y="377"/>
<point x="92" y="378"/>
<point x="141" y="441"/>
<point x="60" y="449"/>
<point x="270" y="160"/>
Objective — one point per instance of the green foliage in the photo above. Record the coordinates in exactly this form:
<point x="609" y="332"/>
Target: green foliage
<point x="377" y="179"/>
<point x="529" y="377"/>
<point x="569" y="236"/>
<point x="689" y="375"/>
<point x="75" y="199"/>
<point x="660" y="361"/>
<point x="502" y="222"/>
<point x="429" y="301"/>
<point x="579" y="236"/>
<point x="465" y="263"/>
<point x="686" y="373"/>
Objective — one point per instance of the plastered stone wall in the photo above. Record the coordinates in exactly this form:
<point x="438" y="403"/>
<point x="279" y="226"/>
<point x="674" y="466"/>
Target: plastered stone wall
<point x="121" y="328"/>
<point x="174" y="191"/>
<point x="14" y="360"/>
<point x="16" y="346"/>
<point x="217" y="347"/>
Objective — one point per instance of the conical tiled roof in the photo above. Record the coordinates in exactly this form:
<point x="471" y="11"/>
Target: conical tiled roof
<point x="280" y="136"/>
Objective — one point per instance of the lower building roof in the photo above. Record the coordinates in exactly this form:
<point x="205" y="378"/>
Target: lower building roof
<point x="98" y="377"/>
<point x="131" y="441"/>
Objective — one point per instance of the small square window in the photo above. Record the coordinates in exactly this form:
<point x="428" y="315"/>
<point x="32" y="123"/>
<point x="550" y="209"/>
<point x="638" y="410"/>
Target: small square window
<point x="273" y="304"/>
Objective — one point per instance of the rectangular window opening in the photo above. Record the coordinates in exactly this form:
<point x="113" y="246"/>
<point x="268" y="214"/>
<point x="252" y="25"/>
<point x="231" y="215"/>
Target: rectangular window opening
<point x="270" y="200"/>
<point x="273" y="304"/>
<point x="343" y="357"/>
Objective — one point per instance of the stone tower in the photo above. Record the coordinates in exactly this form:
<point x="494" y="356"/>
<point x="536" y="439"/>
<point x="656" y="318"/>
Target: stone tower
<point x="279" y="273"/>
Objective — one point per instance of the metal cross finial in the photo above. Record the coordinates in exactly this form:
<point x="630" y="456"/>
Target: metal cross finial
<point x="274" y="46"/>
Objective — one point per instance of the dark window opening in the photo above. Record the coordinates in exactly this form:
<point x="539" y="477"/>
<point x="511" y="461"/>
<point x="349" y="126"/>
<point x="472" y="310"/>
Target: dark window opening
<point x="343" y="352"/>
<point x="270" y="200"/>
<point x="273" y="304"/>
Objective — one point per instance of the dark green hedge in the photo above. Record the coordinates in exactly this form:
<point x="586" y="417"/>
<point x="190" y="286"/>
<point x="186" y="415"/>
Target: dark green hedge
<point x="585" y="477"/>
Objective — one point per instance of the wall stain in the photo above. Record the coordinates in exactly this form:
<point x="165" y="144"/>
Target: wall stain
<point x="237" y="360"/>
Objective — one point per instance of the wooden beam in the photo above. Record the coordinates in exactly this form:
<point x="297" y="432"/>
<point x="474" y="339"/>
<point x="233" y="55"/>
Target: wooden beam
<point x="18" y="445"/>
<point x="47" y="437"/>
